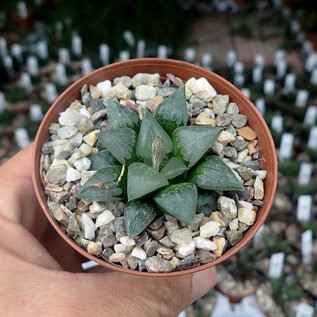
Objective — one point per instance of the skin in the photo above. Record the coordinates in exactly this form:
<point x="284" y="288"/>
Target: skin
<point x="41" y="275"/>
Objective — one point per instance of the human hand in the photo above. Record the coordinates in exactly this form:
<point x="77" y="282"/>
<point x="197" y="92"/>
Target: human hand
<point x="41" y="275"/>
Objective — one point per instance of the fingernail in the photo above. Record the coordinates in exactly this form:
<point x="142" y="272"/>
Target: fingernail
<point x="202" y="282"/>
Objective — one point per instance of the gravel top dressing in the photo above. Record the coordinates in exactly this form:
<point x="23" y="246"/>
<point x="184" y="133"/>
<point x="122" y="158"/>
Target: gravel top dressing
<point x="153" y="176"/>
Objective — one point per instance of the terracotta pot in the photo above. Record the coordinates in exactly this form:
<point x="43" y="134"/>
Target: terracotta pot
<point x="184" y="71"/>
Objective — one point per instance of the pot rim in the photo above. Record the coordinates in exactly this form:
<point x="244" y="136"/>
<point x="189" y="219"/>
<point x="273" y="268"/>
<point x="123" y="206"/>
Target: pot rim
<point x="194" y="71"/>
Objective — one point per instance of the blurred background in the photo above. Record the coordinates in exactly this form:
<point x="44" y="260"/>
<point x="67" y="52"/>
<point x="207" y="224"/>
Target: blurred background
<point x="266" y="48"/>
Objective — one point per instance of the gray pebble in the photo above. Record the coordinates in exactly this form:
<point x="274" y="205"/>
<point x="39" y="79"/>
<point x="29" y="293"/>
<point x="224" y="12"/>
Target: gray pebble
<point x="85" y="95"/>
<point x="243" y="227"/>
<point x="58" y="197"/>
<point x="118" y="209"/>
<point x="232" y="108"/>
<point x="239" y="120"/>
<point x="245" y="173"/>
<point x="142" y="239"/>
<point x="47" y="148"/>
<point x="205" y="256"/>
<point x="120" y="228"/>
<point x="230" y="128"/>
<point x="57" y="174"/>
<point x="141" y="265"/>
<point x="157" y="234"/>
<point x="196" y="102"/>
<point x="158" y="265"/>
<point x="58" y="213"/>
<point x="66" y="132"/>
<point x="84" y="125"/>
<point x="125" y="80"/>
<point x="239" y="144"/>
<point x="72" y="202"/>
<point x="167" y="242"/>
<point x="106" y="253"/>
<point x="258" y="203"/>
<point x="255" y="165"/>
<point x="188" y="263"/>
<point x="73" y="229"/>
<point x="133" y="262"/>
<point x="233" y="236"/>
<point x="97" y="105"/>
<point x="223" y="119"/>
<point x="220" y="103"/>
<point x="54" y="128"/>
<point x="109" y="240"/>
<point x="166" y="91"/>
<point x="230" y="152"/>
<point x="158" y="223"/>
<point x="62" y="149"/>
<point x="150" y="247"/>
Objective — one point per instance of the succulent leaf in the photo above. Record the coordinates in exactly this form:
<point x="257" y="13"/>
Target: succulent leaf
<point x="173" y="168"/>
<point x="101" y="160"/>
<point x="206" y="202"/>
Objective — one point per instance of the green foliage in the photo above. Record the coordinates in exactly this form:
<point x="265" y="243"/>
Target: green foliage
<point x="154" y="168"/>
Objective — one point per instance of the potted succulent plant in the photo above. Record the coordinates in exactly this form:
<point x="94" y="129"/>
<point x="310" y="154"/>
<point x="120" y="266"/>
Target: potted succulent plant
<point x="156" y="165"/>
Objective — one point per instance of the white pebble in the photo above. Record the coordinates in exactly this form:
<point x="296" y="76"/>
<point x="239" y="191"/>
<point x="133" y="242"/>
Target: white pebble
<point x="245" y="204"/>
<point x="209" y="229"/>
<point x="261" y="174"/>
<point x="258" y="188"/>
<point x="116" y="257"/>
<point x="88" y="227"/>
<point x="96" y="207"/>
<point x="104" y="86"/>
<point x="82" y="164"/>
<point x="187" y="249"/>
<point x="203" y="90"/>
<point x="181" y="236"/>
<point x="85" y="113"/>
<point x="127" y="241"/>
<point x="69" y="117"/>
<point x="246" y="216"/>
<point x="76" y="140"/>
<point x="104" y="218"/>
<point x="234" y="224"/>
<point x="120" y="248"/>
<point x="204" y="244"/>
<point x="139" y="253"/>
<point x="72" y="175"/>
<point x="242" y="155"/>
<point x="85" y="149"/>
<point x="144" y="92"/>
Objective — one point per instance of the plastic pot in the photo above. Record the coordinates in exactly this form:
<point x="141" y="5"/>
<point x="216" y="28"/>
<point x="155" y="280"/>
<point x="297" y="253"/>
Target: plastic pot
<point x="184" y="71"/>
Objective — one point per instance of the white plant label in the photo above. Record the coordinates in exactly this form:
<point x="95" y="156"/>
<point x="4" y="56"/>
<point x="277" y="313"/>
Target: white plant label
<point x="277" y="124"/>
<point x="104" y="53"/>
<point x="269" y="87"/>
<point x="310" y="116"/>
<point x="257" y="72"/>
<point x="259" y="60"/>
<point x="21" y="138"/>
<point x="289" y="83"/>
<point x="260" y="104"/>
<point x="3" y="46"/>
<point x="36" y="113"/>
<point x="257" y="239"/>
<point x="50" y="91"/>
<point x="63" y="55"/>
<point x="279" y="56"/>
<point x="276" y="265"/>
<point x="238" y="68"/>
<point x="129" y="38"/>
<point x="86" y="66"/>
<point x="307" y="246"/>
<point x="124" y="55"/>
<point x="304" y="310"/>
<point x="3" y="102"/>
<point x="246" y="92"/>
<point x="311" y="62"/>
<point x="313" y="77"/>
<point x="22" y="10"/>
<point x="312" y="139"/>
<point x="32" y="65"/>
<point x="281" y="69"/>
<point x="206" y="60"/>
<point x="162" y="51"/>
<point x="60" y="73"/>
<point x="238" y="80"/>
<point x="88" y="265"/>
<point x="304" y="205"/>
<point x="231" y="58"/>
<point x="307" y="47"/>
<point x="77" y="46"/>
<point x="26" y="82"/>
<point x="286" y="146"/>
<point x="305" y="172"/>
<point x="16" y="51"/>
<point x="140" y="49"/>
<point x="42" y="51"/>
<point x="301" y="98"/>
<point x="190" y="54"/>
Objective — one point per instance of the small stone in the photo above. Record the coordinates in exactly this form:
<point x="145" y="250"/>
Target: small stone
<point x="234" y="224"/>
<point x="186" y="249"/>
<point x="223" y="120"/>
<point x="104" y="87"/>
<point x="188" y="263"/>
<point x="57" y="174"/>
<point x="245" y="204"/>
<point x="158" y="223"/>
<point x="227" y="206"/>
<point x="91" y="138"/>
<point x="128" y="242"/>
<point x="181" y="236"/>
<point x="261" y="174"/>
<point x="62" y="149"/>
<point x="47" y="148"/>
<point x="133" y="262"/>
<point x="205" y="244"/>
<point x="209" y="229"/>
<point x="140" y="241"/>
<point x="255" y="165"/>
<point x="94" y="248"/>
<point x="69" y="117"/>
<point x="157" y="234"/>
<point x="58" y="197"/>
<point x="251" y="149"/>
<point x="242" y="156"/>
<point x="239" y="120"/>
<point x="151" y="247"/>
<point x="220" y="103"/>
<point x="243" y="226"/>
<point x="231" y="129"/>
<point x="88" y="227"/>
<point x="118" y="208"/>
<point x="72" y="175"/>
<point x="219" y="217"/>
<point x="258" y="203"/>
<point x="120" y="248"/>
<point x="171" y="226"/>
<point x="98" y="109"/>
<point x="166" y="91"/>
<point x="54" y="127"/>
<point x="120" y="227"/>
<point x="94" y="92"/>
<point x="145" y="92"/>
<point x="174" y="262"/>
<point x="226" y="137"/>
<point x="203" y="90"/>
<point x="117" y="257"/>
<point x="146" y="79"/>
<point x="247" y="216"/>
<point x="234" y="236"/>
<point x="249" y="183"/>
<point x="125" y="80"/>
<point x="258" y="188"/>
<point x="109" y="240"/>
<point x="85" y="149"/>
<point x="106" y="253"/>
<point x="247" y="133"/>
<point x="139" y="253"/>
<point x="85" y="175"/>
<point x="205" y="256"/>
<point x="119" y="91"/>
<point x="82" y="164"/>
<point x="165" y="252"/>
<point x="104" y="218"/>
<point x="84" y="125"/>
<point x="240" y="144"/>
<point x="204" y="119"/>
<point x="76" y="140"/>
<point x="66" y="132"/>
<point x="197" y="102"/>
<point x="230" y="152"/>
<point x="153" y="103"/>
<point x="198" y="218"/>
<point x="232" y="108"/>
<point x="157" y="264"/>
<point x="217" y="148"/>
<point x="245" y="173"/>
<point x="167" y="242"/>
<point x="221" y="245"/>
<point x="73" y="229"/>
<point x="58" y="213"/>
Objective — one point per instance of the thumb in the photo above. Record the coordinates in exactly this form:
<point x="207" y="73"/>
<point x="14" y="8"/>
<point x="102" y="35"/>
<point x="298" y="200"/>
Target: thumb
<point x="147" y="296"/>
